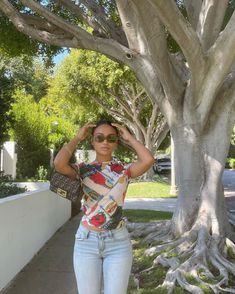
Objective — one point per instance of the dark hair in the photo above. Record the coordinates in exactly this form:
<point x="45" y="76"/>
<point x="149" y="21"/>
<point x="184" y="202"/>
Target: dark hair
<point x="108" y="122"/>
<point x="103" y="122"/>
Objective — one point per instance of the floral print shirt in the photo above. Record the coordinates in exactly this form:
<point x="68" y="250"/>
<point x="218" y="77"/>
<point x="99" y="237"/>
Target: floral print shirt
<point x="104" y="189"/>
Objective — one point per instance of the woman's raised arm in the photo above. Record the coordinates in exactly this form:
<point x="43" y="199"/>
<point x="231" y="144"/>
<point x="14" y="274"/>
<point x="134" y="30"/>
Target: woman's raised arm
<point x="145" y="157"/>
<point x="61" y="161"/>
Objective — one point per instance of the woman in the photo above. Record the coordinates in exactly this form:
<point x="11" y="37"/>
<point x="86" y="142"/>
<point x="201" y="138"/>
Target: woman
<point x="103" y="249"/>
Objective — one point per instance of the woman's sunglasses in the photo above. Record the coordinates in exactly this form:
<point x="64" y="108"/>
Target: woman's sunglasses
<point x="111" y="138"/>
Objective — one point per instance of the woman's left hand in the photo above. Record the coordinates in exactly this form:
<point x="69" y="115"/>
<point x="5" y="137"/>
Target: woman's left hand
<point x="125" y="134"/>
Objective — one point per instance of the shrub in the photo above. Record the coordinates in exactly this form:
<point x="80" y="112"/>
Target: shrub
<point x="231" y="162"/>
<point x="7" y="188"/>
<point x="41" y="173"/>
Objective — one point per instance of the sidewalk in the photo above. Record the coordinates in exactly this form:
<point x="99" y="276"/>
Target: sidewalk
<point x="168" y="204"/>
<point x="51" y="270"/>
<point x="161" y="204"/>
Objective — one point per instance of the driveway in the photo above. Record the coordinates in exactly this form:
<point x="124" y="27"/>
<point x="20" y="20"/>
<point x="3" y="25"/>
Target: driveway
<point x="229" y="180"/>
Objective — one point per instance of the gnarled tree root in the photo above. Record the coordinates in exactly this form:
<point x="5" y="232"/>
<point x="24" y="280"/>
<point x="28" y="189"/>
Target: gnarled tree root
<point x="151" y="231"/>
<point x="196" y="260"/>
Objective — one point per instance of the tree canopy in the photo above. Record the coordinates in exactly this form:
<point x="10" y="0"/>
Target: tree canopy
<point x="101" y="85"/>
<point x="18" y="72"/>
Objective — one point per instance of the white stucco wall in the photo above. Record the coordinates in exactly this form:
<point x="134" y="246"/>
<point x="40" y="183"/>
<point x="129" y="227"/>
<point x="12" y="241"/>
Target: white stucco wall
<point x="27" y="222"/>
<point x="9" y="158"/>
<point x="80" y="155"/>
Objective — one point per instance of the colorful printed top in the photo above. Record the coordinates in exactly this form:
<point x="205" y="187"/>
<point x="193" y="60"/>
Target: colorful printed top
<point x="104" y="187"/>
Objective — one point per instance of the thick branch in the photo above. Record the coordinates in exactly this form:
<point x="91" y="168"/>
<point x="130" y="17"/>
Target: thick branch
<point x="98" y="12"/>
<point x="101" y="24"/>
<point x="184" y="35"/>
<point x="152" y="119"/>
<point x="227" y="90"/>
<point x="221" y="58"/>
<point x="210" y="21"/>
<point x="80" y="39"/>
<point x="160" y="134"/>
<point x="40" y="24"/>
<point x="41" y="35"/>
<point x="76" y="10"/>
<point x="129" y="21"/>
<point x="58" y="21"/>
<point x="223" y="51"/>
<point x="181" y="68"/>
<point x="149" y="39"/>
<point x="193" y="8"/>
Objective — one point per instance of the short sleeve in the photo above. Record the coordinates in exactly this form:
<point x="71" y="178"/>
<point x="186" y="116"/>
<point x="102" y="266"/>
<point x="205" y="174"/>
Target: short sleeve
<point x="77" y="166"/>
<point x="127" y="169"/>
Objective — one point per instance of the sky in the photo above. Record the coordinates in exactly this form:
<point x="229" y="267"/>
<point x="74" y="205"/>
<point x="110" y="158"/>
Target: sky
<point x="58" y="58"/>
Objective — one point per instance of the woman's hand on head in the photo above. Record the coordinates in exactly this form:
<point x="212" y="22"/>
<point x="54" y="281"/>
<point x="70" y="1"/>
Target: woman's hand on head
<point x="124" y="133"/>
<point x="84" y="131"/>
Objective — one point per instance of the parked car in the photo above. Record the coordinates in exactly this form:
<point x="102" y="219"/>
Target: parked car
<point x="162" y="164"/>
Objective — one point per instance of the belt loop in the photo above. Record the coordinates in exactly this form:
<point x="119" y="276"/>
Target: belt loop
<point x="110" y="234"/>
<point x="86" y="232"/>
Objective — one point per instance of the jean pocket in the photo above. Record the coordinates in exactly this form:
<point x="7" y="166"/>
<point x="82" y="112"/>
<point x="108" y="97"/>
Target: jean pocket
<point x="122" y="236"/>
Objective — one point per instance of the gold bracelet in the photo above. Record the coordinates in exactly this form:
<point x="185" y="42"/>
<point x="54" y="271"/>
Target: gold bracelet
<point x="69" y="151"/>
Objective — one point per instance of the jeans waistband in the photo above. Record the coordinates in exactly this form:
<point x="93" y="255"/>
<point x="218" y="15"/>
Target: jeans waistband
<point x="106" y="233"/>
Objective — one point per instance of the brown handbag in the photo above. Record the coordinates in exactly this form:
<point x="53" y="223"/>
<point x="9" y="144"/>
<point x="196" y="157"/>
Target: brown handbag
<point x="66" y="187"/>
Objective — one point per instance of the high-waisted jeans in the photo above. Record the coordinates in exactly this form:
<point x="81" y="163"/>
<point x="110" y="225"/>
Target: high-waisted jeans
<point x="102" y="259"/>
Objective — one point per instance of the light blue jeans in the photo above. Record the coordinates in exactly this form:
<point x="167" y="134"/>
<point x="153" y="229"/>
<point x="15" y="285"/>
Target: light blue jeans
<point x="102" y="259"/>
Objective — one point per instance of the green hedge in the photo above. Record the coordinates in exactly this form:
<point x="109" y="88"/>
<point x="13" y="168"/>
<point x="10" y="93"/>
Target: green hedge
<point x="231" y="162"/>
<point x="7" y="188"/>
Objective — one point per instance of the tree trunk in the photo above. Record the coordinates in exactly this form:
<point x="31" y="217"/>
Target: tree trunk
<point x="197" y="240"/>
<point x="148" y="176"/>
<point x="200" y="162"/>
<point x="188" y="167"/>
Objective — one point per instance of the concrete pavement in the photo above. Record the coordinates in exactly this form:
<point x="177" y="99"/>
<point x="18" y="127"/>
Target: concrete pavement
<point x="160" y="204"/>
<point x="168" y="204"/>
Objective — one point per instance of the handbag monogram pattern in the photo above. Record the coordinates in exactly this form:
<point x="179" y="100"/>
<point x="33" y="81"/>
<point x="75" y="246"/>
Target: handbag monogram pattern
<point x="66" y="187"/>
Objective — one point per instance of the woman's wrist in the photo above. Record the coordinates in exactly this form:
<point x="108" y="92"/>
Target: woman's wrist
<point x="132" y="140"/>
<point x="78" y="139"/>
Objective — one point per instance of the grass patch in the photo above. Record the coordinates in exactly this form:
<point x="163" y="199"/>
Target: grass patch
<point x="148" y="281"/>
<point x="231" y="280"/>
<point x="141" y="261"/>
<point x="143" y="215"/>
<point x="158" y="290"/>
<point x="231" y="254"/>
<point x="193" y="281"/>
<point x="149" y="190"/>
